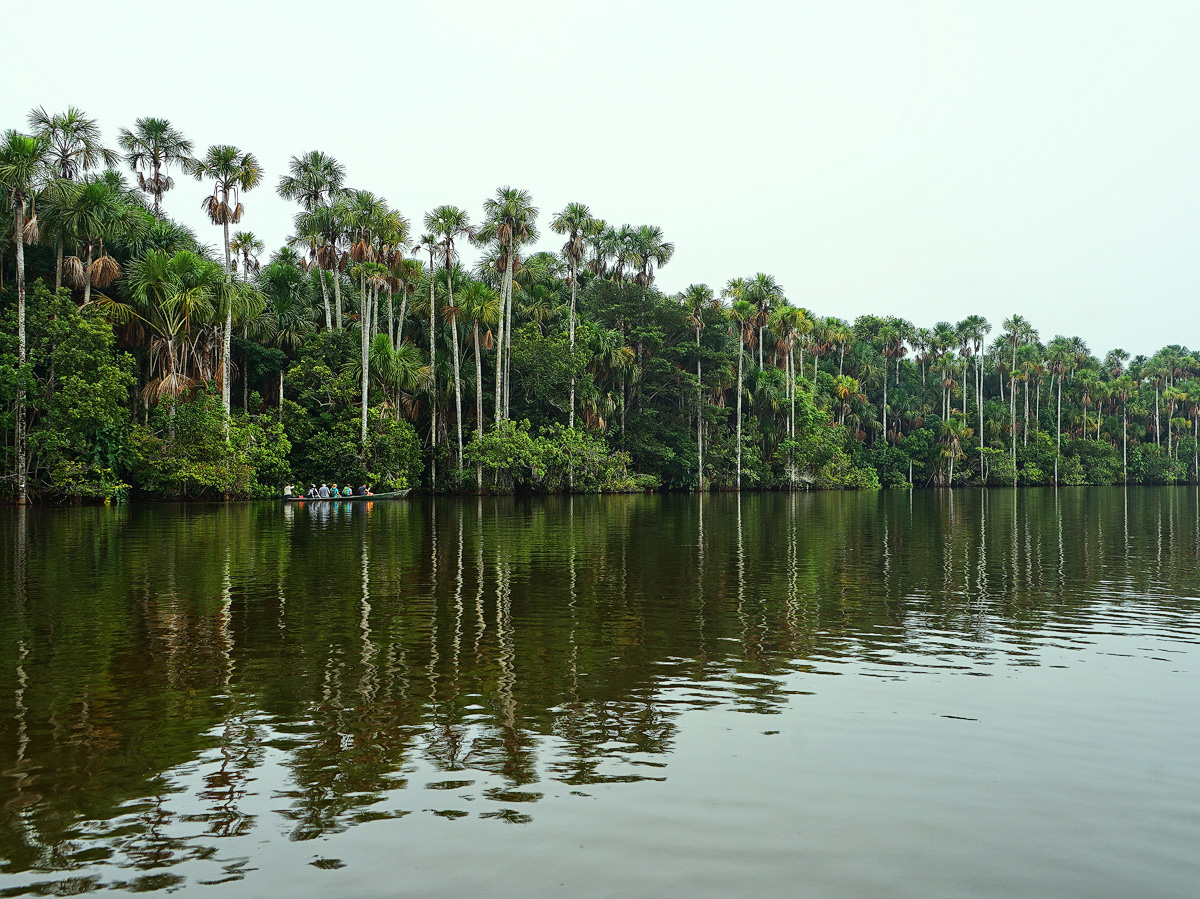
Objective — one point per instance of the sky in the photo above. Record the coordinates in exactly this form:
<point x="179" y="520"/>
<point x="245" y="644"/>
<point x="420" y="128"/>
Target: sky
<point x="923" y="159"/>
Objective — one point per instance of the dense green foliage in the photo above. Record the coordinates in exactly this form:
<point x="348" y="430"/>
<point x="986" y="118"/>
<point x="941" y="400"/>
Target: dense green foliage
<point x="134" y="358"/>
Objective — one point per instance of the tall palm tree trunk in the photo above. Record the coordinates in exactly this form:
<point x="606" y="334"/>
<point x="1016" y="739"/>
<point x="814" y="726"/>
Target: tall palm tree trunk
<point x="457" y="373"/>
<point x="227" y="338"/>
<point x="571" y="413"/>
<point x="432" y="381"/>
<point x="504" y="326"/>
<point x="979" y="403"/>
<point x="87" y="276"/>
<point x="1058" y="418"/>
<point x="391" y="321"/>
<point x="792" y="375"/>
<point x="478" y="406"/>
<point x="884" y="410"/>
<point x="325" y="298"/>
<point x="337" y="299"/>
<point x="19" y="435"/>
<point x="364" y="334"/>
<point x="1125" y="442"/>
<point x="157" y="186"/>
<point x="699" y="419"/>
<point x="739" y="413"/>
<point x="1157" y="419"/>
<point x="1025" y="436"/>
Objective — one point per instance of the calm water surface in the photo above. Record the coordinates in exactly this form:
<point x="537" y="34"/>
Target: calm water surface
<point x="977" y="694"/>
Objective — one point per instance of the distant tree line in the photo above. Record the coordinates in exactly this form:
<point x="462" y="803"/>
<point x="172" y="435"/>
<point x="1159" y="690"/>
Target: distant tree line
<point x="138" y="359"/>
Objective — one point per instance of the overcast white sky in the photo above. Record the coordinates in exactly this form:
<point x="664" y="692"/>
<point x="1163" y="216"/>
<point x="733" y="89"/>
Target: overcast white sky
<point x="925" y="159"/>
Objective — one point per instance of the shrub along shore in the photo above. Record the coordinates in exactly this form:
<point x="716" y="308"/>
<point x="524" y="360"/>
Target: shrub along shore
<point x="138" y="361"/>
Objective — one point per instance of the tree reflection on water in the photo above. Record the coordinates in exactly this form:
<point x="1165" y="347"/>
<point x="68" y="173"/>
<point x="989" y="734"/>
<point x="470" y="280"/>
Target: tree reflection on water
<point x="175" y="678"/>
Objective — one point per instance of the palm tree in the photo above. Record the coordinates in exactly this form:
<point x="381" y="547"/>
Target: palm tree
<point x="574" y="220"/>
<point x="73" y="144"/>
<point x="316" y="180"/>
<point x="93" y="212"/>
<point x="1059" y="357"/>
<point x="1017" y="332"/>
<point x="791" y="323"/>
<point x="310" y="236"/>
<point x="648" y="250"/>
<point x="696" y="299"/>
<point x="150" y="148"/>
<point x="765" y="293"/>
<point x="446" y="224"/>
<point x="231" y="172"/>
<point x="408" y="273"/>
<point x="176" y="296"/>
<point x="481" y="305"/>
<point x="23" y="171"/>
<point x="509" y="222"/>
<point x="247" y="246"/>
<point x="954" y="431"/>
<point x="742" y="314"/>
<point x="73" y="147"/>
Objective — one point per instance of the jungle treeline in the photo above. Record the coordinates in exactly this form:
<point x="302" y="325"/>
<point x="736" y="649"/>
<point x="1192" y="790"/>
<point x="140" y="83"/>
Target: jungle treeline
<point x="138" y="358"/>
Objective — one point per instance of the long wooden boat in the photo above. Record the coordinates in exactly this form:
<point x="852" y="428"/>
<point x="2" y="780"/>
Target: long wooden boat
<point x="395" y="494"/>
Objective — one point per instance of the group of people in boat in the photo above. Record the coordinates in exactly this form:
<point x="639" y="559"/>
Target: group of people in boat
<point x="327" y="491"/>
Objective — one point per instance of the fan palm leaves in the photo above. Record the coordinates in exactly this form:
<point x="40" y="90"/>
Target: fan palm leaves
<point x="246" y="247"/>
<point x="180" y="297"/>
<point x="314" y="179"/>
<point x="288" y="305"/>
<point x="648" y="251"/>
<point x="73" y="148"/>
<point x="92" y="212"/>
<point x="150" y="148"/>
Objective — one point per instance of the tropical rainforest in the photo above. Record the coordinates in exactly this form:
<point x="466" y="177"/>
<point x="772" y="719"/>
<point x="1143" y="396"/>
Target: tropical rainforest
<point x="139" y="360"/>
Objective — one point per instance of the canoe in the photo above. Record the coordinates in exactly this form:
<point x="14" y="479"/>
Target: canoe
<point x="395" y="494"/>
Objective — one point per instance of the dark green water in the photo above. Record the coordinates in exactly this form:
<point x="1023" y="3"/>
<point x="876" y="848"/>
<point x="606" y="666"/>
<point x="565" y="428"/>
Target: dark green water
<point x="977" y="694"/>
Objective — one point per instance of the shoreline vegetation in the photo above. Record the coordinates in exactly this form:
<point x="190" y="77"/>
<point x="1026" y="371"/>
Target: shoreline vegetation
<point x="136" y="361"/>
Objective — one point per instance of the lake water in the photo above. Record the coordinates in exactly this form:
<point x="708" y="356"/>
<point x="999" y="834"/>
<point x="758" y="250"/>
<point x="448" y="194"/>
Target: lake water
<point x="841" y="694"/>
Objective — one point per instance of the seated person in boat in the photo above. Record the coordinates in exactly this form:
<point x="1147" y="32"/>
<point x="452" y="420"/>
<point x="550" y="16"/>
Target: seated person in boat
<point x="347" y="491"/>
<point x="312" y="492"/>
<point x="323" y="493"/>
<point x="363" y="491"/>
<point x="289" y="491"/>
